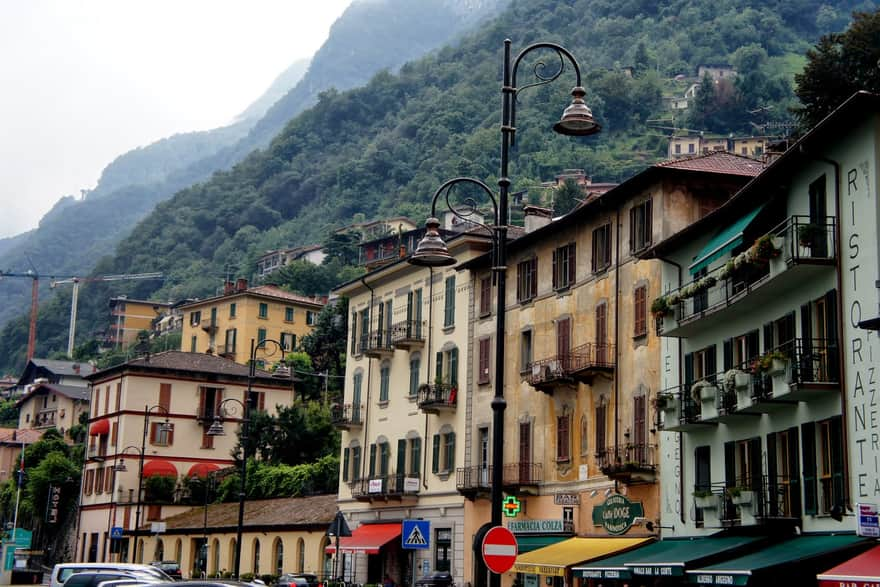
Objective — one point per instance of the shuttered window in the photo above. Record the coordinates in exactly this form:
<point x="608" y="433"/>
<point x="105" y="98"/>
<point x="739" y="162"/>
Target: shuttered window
<point x="449" y="307"/>
<point x="483" y="374"/>
<point x="640" y="227"/>
<point x="601" y="248"/>
<point x="345" y="463"/>
<point x="526" y="280"/>
<point x="563" y="437"/>
<point x="485" y="296"/>
<point x="640" y="311"/>
<point x="564" y="266"/>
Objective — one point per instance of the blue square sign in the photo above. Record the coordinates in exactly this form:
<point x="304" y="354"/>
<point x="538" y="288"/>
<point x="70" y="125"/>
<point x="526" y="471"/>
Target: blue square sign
<point x="116" y="532"/>
<point x="416" y="534"/>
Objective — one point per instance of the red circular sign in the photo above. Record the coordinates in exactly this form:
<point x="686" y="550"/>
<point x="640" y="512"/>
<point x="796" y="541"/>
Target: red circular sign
<point x="499" y="549"/>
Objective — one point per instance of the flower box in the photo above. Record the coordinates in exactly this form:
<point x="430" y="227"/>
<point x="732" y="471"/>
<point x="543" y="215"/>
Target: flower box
<point x="777" y="367"/>
<point x="708" y="393"/>
<point x="744" y="497"/>
<point x="706" y="502"/>
<point x="743" y="398"/>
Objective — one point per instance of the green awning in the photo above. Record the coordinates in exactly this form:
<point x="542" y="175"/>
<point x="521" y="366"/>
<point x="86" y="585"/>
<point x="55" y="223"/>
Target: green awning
<point x="667" y="558"/>
<point x="792" y="561"/>
<point x="723" y="242"/>
<point x="536" y="541"/>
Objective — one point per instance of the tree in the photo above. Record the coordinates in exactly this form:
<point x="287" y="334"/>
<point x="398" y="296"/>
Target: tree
<point x="297" y="434"/>
<point x="837" y="67"/>
<point x="567" y="197"/>
<point x="326" y="344"/>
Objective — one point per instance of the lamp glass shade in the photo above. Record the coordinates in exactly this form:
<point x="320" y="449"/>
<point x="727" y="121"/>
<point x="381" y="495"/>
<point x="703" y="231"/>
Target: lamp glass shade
<point x="431" y="250"/>
<point x="120" y="467"/>
<point x="577" y="120"/>
<point x="216" y="428"/>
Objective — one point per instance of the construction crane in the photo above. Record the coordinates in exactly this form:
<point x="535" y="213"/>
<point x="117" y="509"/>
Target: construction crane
<point x="71" y="334"/>
<point x="35" y="286"/>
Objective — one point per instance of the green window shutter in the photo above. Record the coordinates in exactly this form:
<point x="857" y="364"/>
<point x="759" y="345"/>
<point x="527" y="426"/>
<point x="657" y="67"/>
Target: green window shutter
<point x="435" y="461"/>
<point x="453" y="367"/>
<point x="837" y="479"/>
<point x="261" y="335"/>
<point x="808" y="439"/>
<point x="384" y="457"/>
<point x="450" y="451"/>
<point x="401" y="458"/>
<point x="414" y="367"/>
<point x="416" y="456"/>
<point x="438" y="369"/>
<point x="372" y="460"/>
<point x="356" y="463"/>
<point x="449" y="314"/>
<point x="345" y="463"/>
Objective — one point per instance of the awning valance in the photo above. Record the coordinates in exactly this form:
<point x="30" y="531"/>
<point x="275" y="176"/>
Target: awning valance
<point x="666" y="558"/>
<point x="863" y="570"/>
<point x="793" y="562"/>
<point x="723" y="242"/>
<point x="100" y="428"/>
<point x="159" y="467"/>
<point x="554" y="559"/>
<point x="535" y="541"/>
<point x="202" y="469"/>
<point x="368" y="538"/>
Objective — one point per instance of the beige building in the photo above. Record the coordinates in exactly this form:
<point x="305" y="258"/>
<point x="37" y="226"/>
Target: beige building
<point x="581" y="368"/>
<point x="128" y="317"/>
<point x="286" y="535"/>
<point x="690" y="145"/>
<point x="52" y="405"/>
<point x="225" y="325"/>
<point x="12" y="442"/>
<point x="159" y="407"/>
<point x="405" y="415"/>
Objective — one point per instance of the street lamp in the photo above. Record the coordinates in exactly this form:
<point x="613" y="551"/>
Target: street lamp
<point x="338" y="528"/>
<point x="216" y="429"/>
<point x="576" y="120"/>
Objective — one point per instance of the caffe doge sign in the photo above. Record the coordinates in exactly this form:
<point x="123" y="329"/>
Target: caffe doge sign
<point x="617" y="514"/>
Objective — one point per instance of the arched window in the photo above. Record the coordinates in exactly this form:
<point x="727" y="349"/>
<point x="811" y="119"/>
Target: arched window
<point x="159" y="553"/>
<point x="230" y="560"/>
<point x="256" y="556"/>
<point x="326" y="558"/>
<point x="300" y="555"/>
<point x="215" y="556"/>
<point x="278" y="556"/>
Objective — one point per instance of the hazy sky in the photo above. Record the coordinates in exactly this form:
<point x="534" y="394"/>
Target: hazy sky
<point x="83" y="81"/>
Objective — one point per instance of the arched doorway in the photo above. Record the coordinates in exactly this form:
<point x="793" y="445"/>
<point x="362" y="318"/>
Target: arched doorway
<point x="278" y="556"/>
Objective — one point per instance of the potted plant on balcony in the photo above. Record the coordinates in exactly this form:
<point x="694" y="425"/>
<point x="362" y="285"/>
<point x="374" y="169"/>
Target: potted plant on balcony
<point x="740" y="495"/>
<point x="704" y="391"/>
<point x="660" y="307"/>
<point x="764" y="250"/>
<point x="705" y="499"/>
<point x="809" y="234"/>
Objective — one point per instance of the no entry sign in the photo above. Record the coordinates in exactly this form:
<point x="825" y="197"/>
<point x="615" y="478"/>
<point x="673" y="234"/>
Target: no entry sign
<point x="499" y="549"/>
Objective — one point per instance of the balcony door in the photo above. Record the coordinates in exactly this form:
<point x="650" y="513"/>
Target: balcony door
<point x="525" y="451"/>
<point x="818" y="216"/>
<point x="783" y="474"/>
<point x="563" y="343"/>
<point x="484" y="457"/>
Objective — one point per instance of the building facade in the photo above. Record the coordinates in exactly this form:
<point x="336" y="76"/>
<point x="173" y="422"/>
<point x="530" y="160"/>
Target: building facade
<point x="226" y="325"/>
<point x="52" y="405"/>
<point x="149" y="428"/>
<point x="274" y="260"/>
<point x="129" y="317"/>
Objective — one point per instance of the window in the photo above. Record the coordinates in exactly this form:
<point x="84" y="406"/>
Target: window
<point x="443" y="460"/>
<point x="232" y="310"/>
<point x="702" y="475"/>
<point x="209" y="400"/>
<point x="261" y="335"/>
<point x="288" y="341"/>
<point x="446" y="368"/>
<point x="414" y="314"/>
<point x="192" y="344"/>
<point x="601" y="412"/>
<point x="415" y="456"/>
<point x="384" y="382"/>
<point x="601" y="248"/>
<point x="415" y="365"/>
<point x="563" y="437"/>
<point x="525" y="350"/>
<point x="355" y="463"/>
<point x="677" y="148"/>
<point x="449" y="307"/>
<point x="526" y="280"/>
<point x="443" y="549"/>
<point x="640" y="227"/>
<point x="640" y="311"/>
<point x="161" y="434"/>
<point x="346" y="463"/>
<point x="311" y="317"/>
<point x="357" y="382"/>
<point x="831" y="482"/>
<point x="288" y="314"/>
<point x="485" y="296"/>
<point x="585" y="442"/>
<point x="640" y="429"/>
<point x="354" y="323"/>
<point x="564" y="266"/>
<point x="99" y="480"/>
<point x="700" y="364"/>
<point x="691" y="147"/>
<point x="231" y="335"/>
<point x="384" y="458"/>
<point x="195" y="318"/>
<point x="264" y="310"/>
<point x="483" y="375"/>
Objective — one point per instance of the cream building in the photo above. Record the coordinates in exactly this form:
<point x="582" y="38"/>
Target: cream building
<point x="131" y="404"/>
<point x="405" y="416"/>
<point x="52" y="405"/>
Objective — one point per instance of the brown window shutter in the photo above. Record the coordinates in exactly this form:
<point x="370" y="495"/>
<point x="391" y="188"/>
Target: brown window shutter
<point x="555" y="268"/>
<point x="261" y="401"/>
<point x="165" y="396"/>
<point x="108" y="480"/>
<point x="97" y="402"/>
<point x="126" y="517"/>
<point x="113" y="433"/>
<point x="207" y="440"/>
<point x="153" y="428"/>
<point x="571" y="263"/>
<point x="118" y="395"/>
<point x="107" y="400"/>
<point x="154" y="513"/>
<point x="171" y="435"/>
<point x="201" y="412"/>
<point x="218" y="399"/>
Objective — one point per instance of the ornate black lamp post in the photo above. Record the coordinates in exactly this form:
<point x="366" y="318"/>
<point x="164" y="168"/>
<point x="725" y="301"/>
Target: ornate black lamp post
<point x="577" y="120"/>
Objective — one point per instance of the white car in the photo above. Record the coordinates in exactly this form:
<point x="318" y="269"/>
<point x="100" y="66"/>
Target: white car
<point x="62" y="571"/>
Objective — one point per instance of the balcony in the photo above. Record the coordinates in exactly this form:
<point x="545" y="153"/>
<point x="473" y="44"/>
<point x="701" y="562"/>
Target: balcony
<point x="385" y="488"/>
<point x="792" y="254"/>
<point x="408" y="334"/>
<point x="377" y="344"/>
<point x="437" y="398"/>
<point x="209" y="326"/>
<point x="632" y="464"/>
<point x="517" y="478"/>
<point x="582" y="364"/>
<point x="346" y="416"/>
<point x="761" y="500"/>
<point x="97" y="453"/>
<point x="45" y="418"/>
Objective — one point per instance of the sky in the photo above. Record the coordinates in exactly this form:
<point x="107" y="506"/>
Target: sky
<point x="84" y="81"/>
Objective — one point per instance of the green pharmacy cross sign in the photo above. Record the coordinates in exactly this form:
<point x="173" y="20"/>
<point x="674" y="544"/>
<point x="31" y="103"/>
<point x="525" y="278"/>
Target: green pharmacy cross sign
<point x="511" y="506"/>
<point x="617" y="514"/>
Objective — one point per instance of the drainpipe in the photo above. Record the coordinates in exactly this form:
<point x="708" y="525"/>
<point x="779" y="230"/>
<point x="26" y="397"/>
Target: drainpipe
<point x="428" y="366"/>
<point x="841" y="358"/>
<point x="616" y="336"/>
<point x="366" y="452"/>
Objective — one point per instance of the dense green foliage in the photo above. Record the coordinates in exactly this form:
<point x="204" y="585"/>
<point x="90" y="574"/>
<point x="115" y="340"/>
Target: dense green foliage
<point x="265" y="480"/>
<point x="381" y="150"/>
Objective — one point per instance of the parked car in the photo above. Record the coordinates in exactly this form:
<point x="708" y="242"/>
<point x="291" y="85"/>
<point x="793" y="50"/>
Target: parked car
<point x="94" y="579"/>
<point x="219" y="583"/>
<point x="63" y="571"/>
<point x="171" y="568"/>
<point x="297" y="580"/>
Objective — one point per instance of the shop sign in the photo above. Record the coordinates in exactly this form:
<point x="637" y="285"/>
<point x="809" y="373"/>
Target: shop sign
<point x="535" y="526"/>
<point x="658" y="571"/>
<point x="722" y="579"/>
<point x="869" y="521"/>
<point x="410" y="484"/>
<point x="375" y="486"/>
<point x="617" y="514"/>
<point x="567" y="499"/>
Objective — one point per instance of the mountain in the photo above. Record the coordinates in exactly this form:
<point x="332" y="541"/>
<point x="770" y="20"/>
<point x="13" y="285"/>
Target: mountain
<point x="383" y="149"/>
<point x="371" y="35"/>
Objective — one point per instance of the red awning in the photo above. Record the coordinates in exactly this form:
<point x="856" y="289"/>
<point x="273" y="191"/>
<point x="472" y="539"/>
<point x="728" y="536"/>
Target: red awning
<point x="100" y="428"/>
<point x="202" y="469"/>
<point x="863" y="570"/>
<point x="368" y="538"/>
<point x="159" y="467"/>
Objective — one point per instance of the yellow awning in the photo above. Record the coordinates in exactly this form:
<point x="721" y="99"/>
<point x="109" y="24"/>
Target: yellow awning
<point x="552" y="560"/>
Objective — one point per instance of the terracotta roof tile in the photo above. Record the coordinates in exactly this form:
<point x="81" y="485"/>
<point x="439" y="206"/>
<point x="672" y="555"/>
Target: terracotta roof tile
<point x="20" y="435"/>
<point x="285" y="511"/>
<point x="717" y="162"/>
<point x="276" y="292"/>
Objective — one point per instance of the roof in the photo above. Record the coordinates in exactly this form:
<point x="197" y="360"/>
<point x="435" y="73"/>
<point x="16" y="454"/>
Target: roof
<point x="63" y="367"/>
<point x="126" y="300"/>
<point x="183" y="362"/>
<point x="318" y="510"/>
<point x="266" y="291"/>
<point x="74" y="392"/>
<point x="716" y="162"/>
<point x="19" y="435"/>
<point x="761" y="186"/>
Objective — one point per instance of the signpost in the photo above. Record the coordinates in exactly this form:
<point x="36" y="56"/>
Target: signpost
<point x="415" y="534"/>
<point x="499" y="549"/>
<point x="617" y="514"/>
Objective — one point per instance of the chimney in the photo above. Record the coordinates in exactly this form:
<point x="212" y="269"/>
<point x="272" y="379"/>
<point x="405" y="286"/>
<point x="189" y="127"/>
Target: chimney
<point x="76" y="368"/>
<point x="241" y="284"/>
<point x="536" y="217"/>
<point x="228" y="288"/>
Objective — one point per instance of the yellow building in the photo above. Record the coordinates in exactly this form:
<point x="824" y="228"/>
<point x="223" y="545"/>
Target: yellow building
<point x="159" y="407"/>
<point x="581" y="368"/>
<point x="405" y="415"/>
<point x="286" y="535"/>
<point x="128" y="317"/>
<point x="225" y="325"/>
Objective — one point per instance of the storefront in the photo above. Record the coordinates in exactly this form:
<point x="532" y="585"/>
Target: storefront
<point x="554" y="562"/>
<point x="381" y="545"/>
<point x="863" y="571"/>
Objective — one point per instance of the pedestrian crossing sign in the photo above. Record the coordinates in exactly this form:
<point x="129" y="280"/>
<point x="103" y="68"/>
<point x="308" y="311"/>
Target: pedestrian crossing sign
<point x="416" y="534"/>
